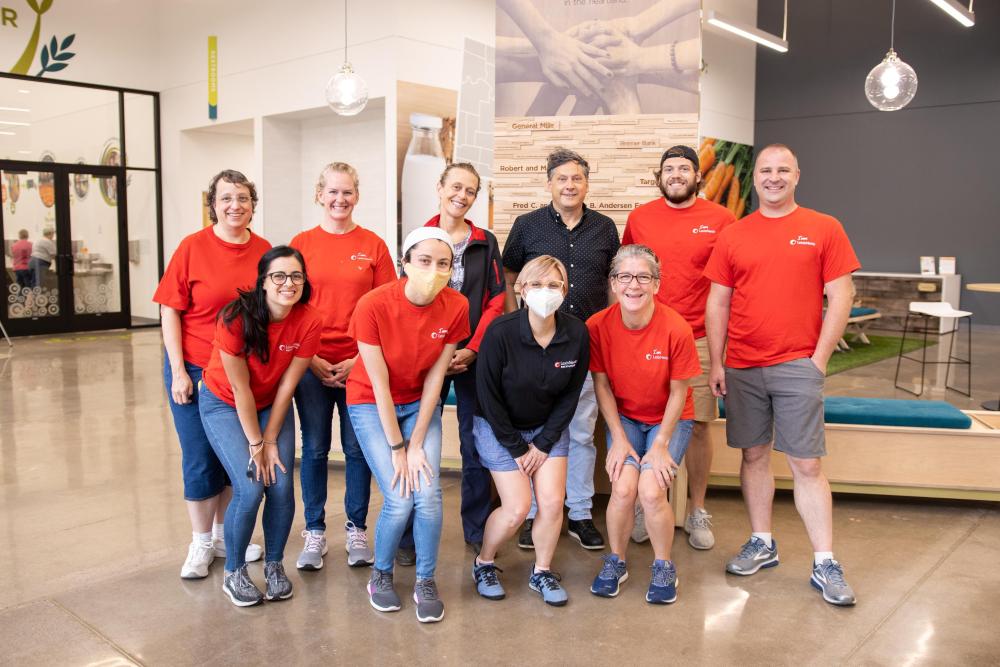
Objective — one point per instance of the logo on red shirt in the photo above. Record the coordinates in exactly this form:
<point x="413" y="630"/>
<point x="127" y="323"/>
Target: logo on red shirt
<point x="657" y="355"/>
<point x="291" y="347"/>
<point x="702" y="229"/>
<point x="801" y="240"/>
<point x="440" y="333"/>
<point x="360" y="257"/>
<point x="566" y="364"/>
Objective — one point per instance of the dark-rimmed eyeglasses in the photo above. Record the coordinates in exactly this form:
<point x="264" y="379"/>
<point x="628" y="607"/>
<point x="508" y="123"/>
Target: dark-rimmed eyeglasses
<point x="626" y="278"/>
<point x="280" y="277"/>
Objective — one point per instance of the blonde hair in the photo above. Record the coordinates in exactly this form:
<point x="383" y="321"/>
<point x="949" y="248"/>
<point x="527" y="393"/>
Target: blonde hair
<point x="538" y="267"/>
<point x="339" y="167"/>
<point x="467" y="166"/>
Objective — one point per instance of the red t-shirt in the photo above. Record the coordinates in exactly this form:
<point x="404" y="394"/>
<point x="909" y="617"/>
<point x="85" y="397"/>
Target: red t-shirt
<point x="640" y="363"/>
<point x="777" y="268"/>
<point x="683" y="239"/>
<point x="342" y="268"/>
<point x="295" y="336"/>
<point x="20" y="252"/>
<point x="200" y="279"/>
<point x="411" y="337"/>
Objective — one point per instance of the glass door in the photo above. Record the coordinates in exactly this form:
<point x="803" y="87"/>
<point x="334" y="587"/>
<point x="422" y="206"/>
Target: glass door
<point x="67" y="221"/>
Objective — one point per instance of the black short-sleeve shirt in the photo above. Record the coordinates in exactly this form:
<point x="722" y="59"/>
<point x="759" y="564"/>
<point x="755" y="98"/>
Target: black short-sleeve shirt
<point x="586" y="250"/>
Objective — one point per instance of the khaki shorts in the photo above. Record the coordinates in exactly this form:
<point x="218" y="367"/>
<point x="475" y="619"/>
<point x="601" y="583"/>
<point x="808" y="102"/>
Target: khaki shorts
<point x="706" y="406"/>
<point x="783" y="402"/>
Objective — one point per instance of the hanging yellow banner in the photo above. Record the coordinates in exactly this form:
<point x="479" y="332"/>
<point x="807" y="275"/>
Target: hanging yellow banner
<point x="213" y="77"/>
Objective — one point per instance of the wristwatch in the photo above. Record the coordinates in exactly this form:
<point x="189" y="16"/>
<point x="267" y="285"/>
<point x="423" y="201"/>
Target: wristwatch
<point x="402" y="444"/>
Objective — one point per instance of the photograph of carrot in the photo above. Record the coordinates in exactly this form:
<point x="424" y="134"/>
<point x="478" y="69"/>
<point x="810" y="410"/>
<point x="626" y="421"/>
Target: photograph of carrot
<point x="726" y="173"/>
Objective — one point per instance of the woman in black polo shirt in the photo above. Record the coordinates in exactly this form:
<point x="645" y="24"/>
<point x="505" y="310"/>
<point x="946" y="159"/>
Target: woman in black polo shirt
<point x="531" y="366"/>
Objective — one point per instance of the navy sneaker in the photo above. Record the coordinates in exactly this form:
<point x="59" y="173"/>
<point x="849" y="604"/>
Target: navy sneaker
<point x="663" y="586"/>
<point x="608" y="581"/>
<point x="753" y="556"/>
<point x="547" y="584"/>
<point x="487" y="582"/>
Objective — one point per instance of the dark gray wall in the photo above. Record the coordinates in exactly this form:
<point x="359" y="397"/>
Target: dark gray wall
<point x="924" y="180"/>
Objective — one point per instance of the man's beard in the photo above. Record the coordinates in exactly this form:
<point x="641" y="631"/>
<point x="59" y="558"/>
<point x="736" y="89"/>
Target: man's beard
<point x="683" y="196"/>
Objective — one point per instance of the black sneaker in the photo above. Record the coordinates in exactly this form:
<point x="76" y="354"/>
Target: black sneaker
<point x="585" y="532"/>
<point x="406" y="557"/>
<point x="430" y="609"/>
<point x="278" y="585"/>
<point x="524" y="539"/>
<point x="240" y="589"/>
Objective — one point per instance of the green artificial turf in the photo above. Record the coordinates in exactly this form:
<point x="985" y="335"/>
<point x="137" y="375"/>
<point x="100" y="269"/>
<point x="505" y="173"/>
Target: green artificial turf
<point x="882" y="347"/>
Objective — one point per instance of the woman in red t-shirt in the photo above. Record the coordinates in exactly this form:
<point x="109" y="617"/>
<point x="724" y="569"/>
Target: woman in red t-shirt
<point x="346" y="262"/>
<point x="642" y="355"/>
<point x="203" y="276"/>
<point x="264" y="341"/>
<point x="407" y="332"/>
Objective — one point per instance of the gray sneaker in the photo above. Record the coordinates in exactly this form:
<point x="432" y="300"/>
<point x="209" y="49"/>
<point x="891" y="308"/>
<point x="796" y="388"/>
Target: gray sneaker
<point x="698" y="526"/>
<point x="278" y="585"/>
<point x="241" y="590"/>
<point x="381" y="594"/>
<point x="312" y="554"/>
<point x="828" y="579"/>
<point x="753" y="556"/>
<point x="430" y="609"/>
<point x="639" y="532"/>
<point x="358" y="551"/>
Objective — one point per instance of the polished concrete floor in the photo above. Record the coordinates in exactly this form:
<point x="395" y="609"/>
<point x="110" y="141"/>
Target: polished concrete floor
<point x="94" y="532"/>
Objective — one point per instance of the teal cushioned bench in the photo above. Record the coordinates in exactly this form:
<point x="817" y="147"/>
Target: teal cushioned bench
<point x="890" y="412"/>
<point x="861" y="312"/>
<point x="452" y="399"/>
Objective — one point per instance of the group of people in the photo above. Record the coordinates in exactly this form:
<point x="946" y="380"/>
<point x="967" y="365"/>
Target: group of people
<point x="567" y="321"/>
<point x="31" y="261"/>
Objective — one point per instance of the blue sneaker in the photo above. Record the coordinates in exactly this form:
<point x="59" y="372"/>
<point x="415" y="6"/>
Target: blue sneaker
<point x="663" y="587"/>
<point x="487" y="582"/>
<point x="828" y="579"/>
<point x="753" y="556"/>
<point x="547" y="583"/>
<point x="608" y="581"/>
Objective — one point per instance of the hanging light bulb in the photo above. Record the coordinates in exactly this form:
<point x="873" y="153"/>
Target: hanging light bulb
<point x="892" y="83"/>
<point x="346" y="92"/>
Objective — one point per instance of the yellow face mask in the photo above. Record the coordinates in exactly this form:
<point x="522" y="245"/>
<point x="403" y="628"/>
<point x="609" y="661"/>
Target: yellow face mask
<point x="428" y="282"/>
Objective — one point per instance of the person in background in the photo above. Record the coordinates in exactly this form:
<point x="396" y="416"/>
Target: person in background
<point x="264" y="341"/>
<point x="407" y="333"/>
<point x="20" y="252"/>
<point x="584" y="241"/>
<point x="681" y="229"/>
<point x="42" y="253"/>
<point x="203" y="275"/>
<point x="769" y="272"/>
<point x="533" y="364"/>
<point x="346" y="262"/>
<point x="478" y="275"/>
<point x="642" y="357"/>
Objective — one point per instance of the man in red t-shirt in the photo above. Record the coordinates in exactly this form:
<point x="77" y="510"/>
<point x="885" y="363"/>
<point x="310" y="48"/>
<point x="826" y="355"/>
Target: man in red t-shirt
<point x="681" y="228"/>
<point x="769" y="272"/>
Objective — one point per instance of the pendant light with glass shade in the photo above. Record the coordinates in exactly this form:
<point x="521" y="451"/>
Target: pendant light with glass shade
<point x="892" y="83"/>
<point x="346" y="92"/>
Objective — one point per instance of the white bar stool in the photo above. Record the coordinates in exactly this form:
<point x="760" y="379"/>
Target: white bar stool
<point x="925" y="310"/>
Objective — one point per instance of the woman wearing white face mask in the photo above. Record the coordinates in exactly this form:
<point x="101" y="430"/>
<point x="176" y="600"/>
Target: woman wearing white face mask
<point x="407" y="332"/>
<point x="532" y="365"/>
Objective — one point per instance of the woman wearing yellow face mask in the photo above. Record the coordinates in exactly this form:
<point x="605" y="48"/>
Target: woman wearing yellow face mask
<point x="407" y="332"/>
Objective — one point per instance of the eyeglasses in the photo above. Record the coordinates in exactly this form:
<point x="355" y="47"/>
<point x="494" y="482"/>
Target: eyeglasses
<point x="229" y="199"/>
<point x="626" y="278"/>
<point x="280" y="277"/>
<point x="550" y="284"/>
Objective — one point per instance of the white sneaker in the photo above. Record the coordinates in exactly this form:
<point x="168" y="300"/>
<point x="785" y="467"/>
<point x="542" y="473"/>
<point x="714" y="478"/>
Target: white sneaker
<point x="639" y="533"/>
<point x="698" y="526"/>
<point x="254" y="551"/>
<point x="199" y="557"/>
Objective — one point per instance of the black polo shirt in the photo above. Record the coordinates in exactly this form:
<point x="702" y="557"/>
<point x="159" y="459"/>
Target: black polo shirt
<point x="521" y="386"/>
<point x="586" y="250"/>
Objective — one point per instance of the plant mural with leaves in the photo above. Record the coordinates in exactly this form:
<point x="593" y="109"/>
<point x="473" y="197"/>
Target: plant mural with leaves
<point x="54" y="55"/>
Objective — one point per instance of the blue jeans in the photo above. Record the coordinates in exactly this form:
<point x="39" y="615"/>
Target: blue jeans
<point x="222" y="425"/>
<point x="425" y="504"/>
<point x="38" y="268"/>
<point x="640" y="435"/>
<point x="315" y="402"/>
<point x="497" y="458"/>
<point x="202" y="472"/>
<point x="582" y="455"/>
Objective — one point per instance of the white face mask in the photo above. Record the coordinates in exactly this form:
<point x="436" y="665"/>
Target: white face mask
<point x="543" y="301"/>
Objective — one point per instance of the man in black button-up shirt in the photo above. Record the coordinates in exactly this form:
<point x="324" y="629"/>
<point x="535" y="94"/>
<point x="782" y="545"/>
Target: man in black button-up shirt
<point x="585" y="241"/>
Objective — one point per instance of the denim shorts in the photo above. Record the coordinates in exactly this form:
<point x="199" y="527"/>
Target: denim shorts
<point x="496" y="457"/>
<point x="202" y="472"/>
<point x="641" y="435"/>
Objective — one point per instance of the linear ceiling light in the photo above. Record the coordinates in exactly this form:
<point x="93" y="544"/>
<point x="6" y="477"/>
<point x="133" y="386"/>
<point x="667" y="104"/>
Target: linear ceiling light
<point x="957" y="11"/>
<point x="15" y="109"/>
<point x="9" y="134"/>
<point x="13" y="122"/>
<point x="747" y="31"/>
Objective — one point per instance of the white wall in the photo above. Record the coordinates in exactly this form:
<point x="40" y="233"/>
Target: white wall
<point x="202" y="154"/>
<point x="727" y="84"/>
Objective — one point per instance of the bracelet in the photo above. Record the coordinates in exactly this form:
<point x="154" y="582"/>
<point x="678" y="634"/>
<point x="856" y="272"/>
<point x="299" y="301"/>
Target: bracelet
<point x="402" y="444"/>
<point x="268" y="442"/>
<point x="259" y="443"/>
<point x="673" y="57"/>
